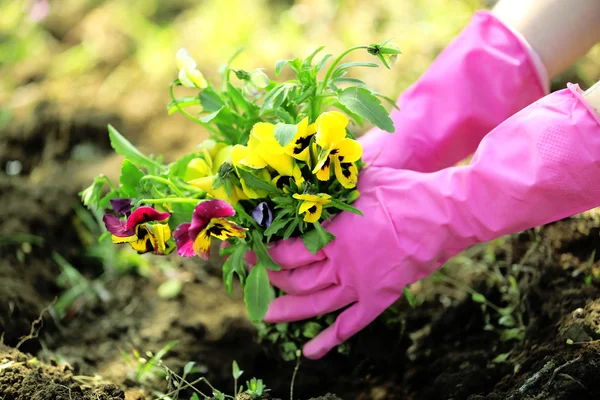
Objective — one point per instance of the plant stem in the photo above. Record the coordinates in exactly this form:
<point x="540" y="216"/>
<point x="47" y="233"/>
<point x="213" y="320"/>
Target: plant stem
<point x="165" y="181"/>
<point x="169" y="200"/>
<point x="469" y="290"/>
<point x="188" y="115"/>
<point x="296" y="368"/>
<point x="335" y="63"/>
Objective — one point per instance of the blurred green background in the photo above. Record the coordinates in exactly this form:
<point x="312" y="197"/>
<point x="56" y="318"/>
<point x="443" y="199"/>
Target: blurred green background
<point x="85" y="63"/>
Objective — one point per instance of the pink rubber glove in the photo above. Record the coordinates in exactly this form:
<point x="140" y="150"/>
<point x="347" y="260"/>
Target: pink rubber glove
<point x="483" y="77"/>
<point x="540" y="165"/>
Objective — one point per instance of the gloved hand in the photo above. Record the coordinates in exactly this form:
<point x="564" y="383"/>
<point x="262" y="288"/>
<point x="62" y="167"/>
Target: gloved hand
<point x="540" y="165"/>
<point x="483" y="77"/>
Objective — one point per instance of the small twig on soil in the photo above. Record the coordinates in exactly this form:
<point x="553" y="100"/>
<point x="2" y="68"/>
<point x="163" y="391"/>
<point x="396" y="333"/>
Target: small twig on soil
<point x="557" y="370"/>
<point x="296" y="368"/>
<point x="536" y="377"/>
<point x="187" y="384"/>
<point x="32" y="332"/>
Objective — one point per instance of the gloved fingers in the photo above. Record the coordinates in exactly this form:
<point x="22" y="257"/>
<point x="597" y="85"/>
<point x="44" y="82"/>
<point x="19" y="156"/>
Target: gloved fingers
<point x="292" y="253"/>
<point x="347" y="324"/>
<point x="305" y="280"/>
<point x="298" y="307"/>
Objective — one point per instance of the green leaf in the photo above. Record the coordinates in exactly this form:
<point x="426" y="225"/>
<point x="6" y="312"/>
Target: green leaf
<point x="353" y="81"/>
<point x="279" y="66"/>
<point x="478" y="298"/>
<point x="275" y="226"/>
<point x="255" y="182"/>
<point x="261" y="252"/>
<point x="239" y="99"/>
<point x="91" y="196"/>
<point x="345" y="207"/>
<point x="234" y="264"/>
<point x="312" y="55"/>
<point x="284" y="133"/>
<point x="311" y="329"/>
<point x="507" y="320"/>
<point x="321" y="63"/>
<point x="124" y="147"/>
<point x="289" y="231"/>
<point x="500" y="358"/>
<point x="351" y="64"/>
<point x="188" y="368"/>
<point x="275" y="97"/>
<point x="257" y="293"/>
<point x="130" y="178"/>
<point x="410" y="298"/>
<point x="181" y="103"/>
<point x="317" y="238"/>
<point x="179" y="167"/>
<point x="210" y="100"/>
<point x="209" y="117"/>
<point x="235" y="370"/>
<point x="364" y="103"/>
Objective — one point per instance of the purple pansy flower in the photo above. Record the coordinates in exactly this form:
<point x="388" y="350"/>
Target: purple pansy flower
<point x="263" y="215"/>
<point x="208" y="219"/>
<point x="140" y="230"/>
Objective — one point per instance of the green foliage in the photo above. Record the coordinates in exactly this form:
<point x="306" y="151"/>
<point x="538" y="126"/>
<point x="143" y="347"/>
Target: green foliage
<point x="146" y="368"/>
<point x="257" y="292"/>
<point x="253" y="171"/>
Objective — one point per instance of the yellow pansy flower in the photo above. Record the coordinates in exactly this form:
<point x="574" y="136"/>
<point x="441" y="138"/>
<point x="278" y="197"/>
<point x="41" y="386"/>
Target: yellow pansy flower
<point x="206" y="184"/>
<point x="189" y="76"/>
<point x="238" y="154"/>
<point x="312" y="205"/>
<point x="213" y="155"/>
<point x="298" y="147"/>
<point x="337" y="148"/>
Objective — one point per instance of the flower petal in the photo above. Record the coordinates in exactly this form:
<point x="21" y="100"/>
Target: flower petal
<point x="263" y="214"/>
<point x="201" y="244"/>
<point x="348" y="150"/>
<point x="205" y="212"/>
<point x="160" y="234"/>
<point x="182" y="239"/>
<point x="346" y="173"/>
<point x="142" y="241"/>
<point x="117" y="226"/>
<point x="305" y="206"/>
<point x="313" y="213"/>
<point x="331" y="128"/>
<point x="145" y="214"/>
<point x="223" y="229"/>
<point x="322" y="170"/>
<point x="121" y="206"/>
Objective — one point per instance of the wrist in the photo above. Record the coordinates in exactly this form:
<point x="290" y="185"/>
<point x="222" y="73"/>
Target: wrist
<point x="592" y="97"/>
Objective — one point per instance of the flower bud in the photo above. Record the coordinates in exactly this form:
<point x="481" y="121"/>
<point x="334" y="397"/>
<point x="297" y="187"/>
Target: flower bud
<point x="390" y="57"/>
<point x="353" y="196"/>
<point x="259" y="79"/>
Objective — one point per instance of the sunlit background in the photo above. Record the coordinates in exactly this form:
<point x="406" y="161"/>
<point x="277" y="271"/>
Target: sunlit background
<point x="84" y="63"/>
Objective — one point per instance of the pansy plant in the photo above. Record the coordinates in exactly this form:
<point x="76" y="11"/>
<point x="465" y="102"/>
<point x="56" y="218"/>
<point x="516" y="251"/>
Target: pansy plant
<point x="280" y="160"/>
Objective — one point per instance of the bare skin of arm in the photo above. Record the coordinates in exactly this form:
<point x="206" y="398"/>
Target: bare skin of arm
<point x="560" y="31"/>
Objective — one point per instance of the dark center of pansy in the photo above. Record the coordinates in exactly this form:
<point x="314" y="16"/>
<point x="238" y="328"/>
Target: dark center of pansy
<point x="346" y="169"/>
<point x="144" y="234"/>
<point x="312" y="210"/>
<point x="283" y="181"/>
<point x="216" y="229"/>
<point x="326" y="164"/>
<point x="334" y="152"/>
<point x="302" y="143"/>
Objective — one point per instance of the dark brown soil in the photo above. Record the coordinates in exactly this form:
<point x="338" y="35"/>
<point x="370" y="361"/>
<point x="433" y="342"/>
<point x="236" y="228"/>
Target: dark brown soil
<point x="23" y="377"/>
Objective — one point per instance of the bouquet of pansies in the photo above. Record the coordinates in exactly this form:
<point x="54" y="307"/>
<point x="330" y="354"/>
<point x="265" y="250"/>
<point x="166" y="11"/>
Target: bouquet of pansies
<point x="279" y="161"/>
